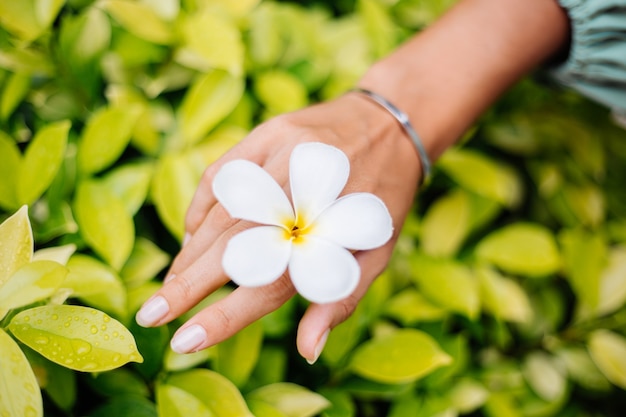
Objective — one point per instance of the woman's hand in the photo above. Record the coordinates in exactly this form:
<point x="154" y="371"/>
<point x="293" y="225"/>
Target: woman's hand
<point x="383" y="162"/>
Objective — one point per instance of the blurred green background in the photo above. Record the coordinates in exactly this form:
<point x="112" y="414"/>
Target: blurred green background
<point x="504" y="298"/>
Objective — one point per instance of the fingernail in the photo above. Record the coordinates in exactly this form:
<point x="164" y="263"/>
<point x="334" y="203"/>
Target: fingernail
<point x="186" y="238"/>
<point x="319" y="347"/>
<point x="152" y="312"/>
<point x="189" y="339"/>
<point x="169" y="278"/>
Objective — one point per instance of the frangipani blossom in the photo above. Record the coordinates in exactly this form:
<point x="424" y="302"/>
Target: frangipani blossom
<point x="314" y="237"/>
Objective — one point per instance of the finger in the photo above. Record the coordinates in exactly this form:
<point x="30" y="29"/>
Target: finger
<point x="191" y="285"/>
<point x="216" y="222"/>
<point x="319" y="319"/>
<point x="231" y="314"/>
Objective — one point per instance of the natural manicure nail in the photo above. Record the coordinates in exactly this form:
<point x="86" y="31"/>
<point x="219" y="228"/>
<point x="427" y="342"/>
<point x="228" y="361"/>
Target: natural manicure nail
<point x="189" y="339"/>
<point x="153" y="311"/>
<point x="319" y="347"/>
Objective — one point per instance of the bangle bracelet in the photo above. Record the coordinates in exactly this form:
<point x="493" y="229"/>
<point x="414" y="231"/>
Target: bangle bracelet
<point x="404" y="121"/>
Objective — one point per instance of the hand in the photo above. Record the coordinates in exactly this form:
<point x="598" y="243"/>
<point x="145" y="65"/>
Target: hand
<point x="383" y="162"/>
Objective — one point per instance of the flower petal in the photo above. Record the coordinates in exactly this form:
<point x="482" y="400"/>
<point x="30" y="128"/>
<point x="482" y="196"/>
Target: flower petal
<point x="358" y="221"/>
<point x="257" y="256"/>
<point x="318" y="173"/>
<point x="249" y="192"/>
<point x="322" y="271"/>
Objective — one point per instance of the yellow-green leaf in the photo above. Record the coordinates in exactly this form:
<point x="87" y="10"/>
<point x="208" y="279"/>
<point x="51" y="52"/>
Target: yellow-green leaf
<point x="19" y="392"/>
<point x="175" y="402"/>
<point x="482" y="175"/>
<point x="10" y="160"/>
<point x="216" y="392"/>
<point x="467" y="395"/>
<point x="14" y="91"/>
<point x="16" y="244"/>
<point x="79" y="338"/>
<point x="503" y="297"/>
<point x="34" y="281"/>
<point x="220" y="47"/>
<point x="587" y="203"/>
<point x="404" y="356"/>
<point x="449" y="283"/>
<point x="207" y="102"/>
<point x="140" y="20"/>
<point x="280" y="91"/>
<point x="585" y="256"/>
<point x="130" y="183"/>
<point x="28" y="19"/>
<point x="173" y="187"/>
<point x="410" y="307"/>
<point x="291" y="399"/>
<point x="544" y="376"/>
<point x="42" y="160"/>
<point x="60" y="254"/>
<point x="446" y="224"/>
<point x="145" y="262"/>
<point x="236" y="357"/>
<point x="236" y="8"/>
<point x="104" y="223"/>
<point x="173" y="361"/>
<point x="521" y="248"/>
<point x="612" y="282"/>
<point x="105" y="136"/>
<point x="96" y="284"/>
<point x="581" y="368"/>
<point x="608" y="351"/>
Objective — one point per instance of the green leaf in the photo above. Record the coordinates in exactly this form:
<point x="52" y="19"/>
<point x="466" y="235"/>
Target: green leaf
<point x="173" y="361"/>
<point x="476" y="172"/>
<point x="105" y="137"/>
<point x="503" y="297"/>
<point x="291" y="399"/>
<point x="608" y="351"/>
<point x="584" y="257"/>
<point x="145" y="262"/>
<point x="221" y="47"/>
<point x="342" y="404"/>
<point x="344" y="337"/>
<point x="236" y="357"/>
<point x="449" y="283"/>
<point x="16" y="244"/>
<point x="262" y="409"/>
<point x="34" y="281"/>
<point x="404" y="356"/>
<point x="96" y="284"/>
<point x="42" y="160"/>
<point x="58" y="382"/>
<point x="10" y="161"/>
<point x="544" y="377"/>
<point x="280" y="91"/>
<point x="140" y="20"/>
<point x="173" y="188"/>
<point x="130" y="183"/>
<point x="207" y="102"/>
<point x="119" y="383"/>
<point x="60" y="254"/>
<point x="176" y="402"/>
<point x="86" y="36"/>
<point x="216" y="392"/>
<point x="521" y="248"/>
<point x="14" y="91"/>
<point x="587" y="203"/>
<point x="19" y="392"/>
<point x="104" y="222"/>
<point x="127" y="406"/>
<point x="28" y="19"/>
<point x="76" y="337"/>
<point x="446" y="224"/>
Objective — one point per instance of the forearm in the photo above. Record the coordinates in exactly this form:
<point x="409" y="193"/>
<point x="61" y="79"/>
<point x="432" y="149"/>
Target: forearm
<point x="445" y="77"/>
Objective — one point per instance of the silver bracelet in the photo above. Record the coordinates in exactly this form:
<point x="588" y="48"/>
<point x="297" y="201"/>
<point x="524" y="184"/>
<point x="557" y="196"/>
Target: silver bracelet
<point x="404" y="121"/>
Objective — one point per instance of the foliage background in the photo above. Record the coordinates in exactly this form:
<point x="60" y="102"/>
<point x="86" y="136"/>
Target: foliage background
<point x="505" y="296"/>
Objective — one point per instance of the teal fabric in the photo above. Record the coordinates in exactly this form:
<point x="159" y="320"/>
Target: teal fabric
<point x="596" y="65"/>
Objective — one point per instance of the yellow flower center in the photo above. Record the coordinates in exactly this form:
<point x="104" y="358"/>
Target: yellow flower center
<point x="295" y="231"/>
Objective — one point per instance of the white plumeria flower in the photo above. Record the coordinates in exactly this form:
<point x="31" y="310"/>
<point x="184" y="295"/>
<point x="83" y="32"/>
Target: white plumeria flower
<point x="314" y="237"/>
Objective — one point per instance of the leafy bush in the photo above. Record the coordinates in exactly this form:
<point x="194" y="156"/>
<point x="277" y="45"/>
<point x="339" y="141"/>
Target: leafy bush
<point x="505" y="295"/>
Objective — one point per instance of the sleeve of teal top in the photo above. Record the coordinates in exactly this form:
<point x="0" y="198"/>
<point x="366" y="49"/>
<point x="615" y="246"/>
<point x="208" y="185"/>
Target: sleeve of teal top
<point x="596" y="65"/>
